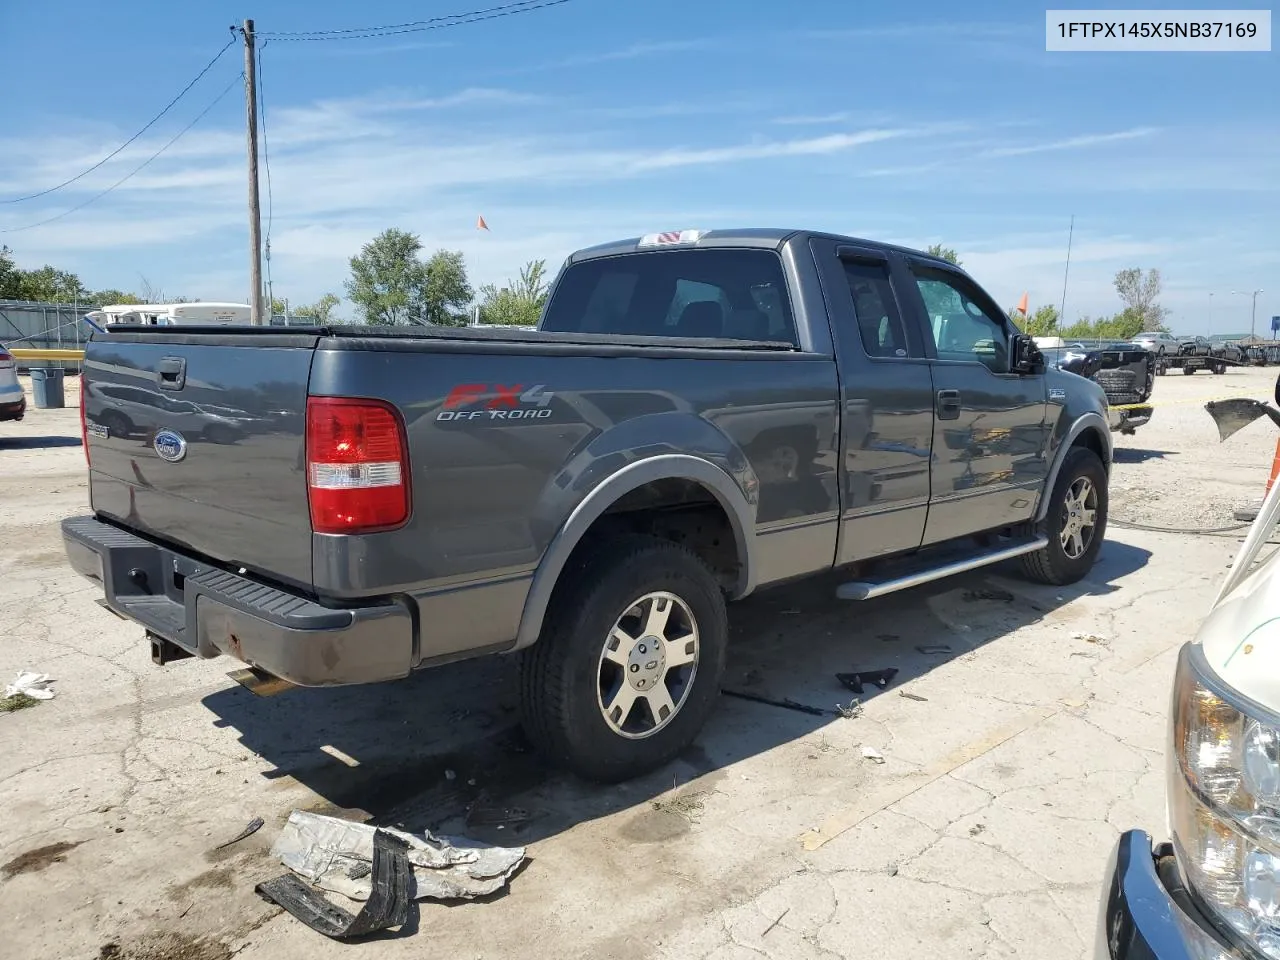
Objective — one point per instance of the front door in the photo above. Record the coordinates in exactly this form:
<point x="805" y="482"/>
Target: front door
<point x="990" y="436"/>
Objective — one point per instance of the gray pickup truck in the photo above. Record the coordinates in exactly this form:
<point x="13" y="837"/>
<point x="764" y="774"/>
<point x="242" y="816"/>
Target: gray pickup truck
<point x="698" y="416"/>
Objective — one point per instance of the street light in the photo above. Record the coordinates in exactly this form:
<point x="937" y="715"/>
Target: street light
<point x="1253" y="315"/>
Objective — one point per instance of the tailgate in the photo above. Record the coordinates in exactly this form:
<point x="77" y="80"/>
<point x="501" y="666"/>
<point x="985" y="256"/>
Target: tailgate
<point x="197" y="439"/>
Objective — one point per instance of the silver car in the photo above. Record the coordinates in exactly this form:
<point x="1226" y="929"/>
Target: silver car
<point x="1158" y="342"/>
<point x="13" y="401"/>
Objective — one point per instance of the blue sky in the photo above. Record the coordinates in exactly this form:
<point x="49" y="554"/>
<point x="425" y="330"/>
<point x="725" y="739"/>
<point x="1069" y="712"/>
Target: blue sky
<point x="599" y="119"/>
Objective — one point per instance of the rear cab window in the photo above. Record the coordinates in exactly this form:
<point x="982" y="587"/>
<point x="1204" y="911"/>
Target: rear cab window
<point x="737" y="294"/>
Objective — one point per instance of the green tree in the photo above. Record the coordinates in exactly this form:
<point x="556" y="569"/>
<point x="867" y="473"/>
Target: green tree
<point x="1042" y="323"/>
<point x="445" y="293"/>
<point x="520" y="302"/>
<point x="321" y="310"/>
<point x="1138" y="293"/>
<point x="946" y="253"/>
<point x="104" y="298"/>
<point x="390" y="284"/>
<point x="10" y="276"/>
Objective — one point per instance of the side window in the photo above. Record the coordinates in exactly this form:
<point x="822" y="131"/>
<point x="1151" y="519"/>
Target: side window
<point x="876" y="310"/>
<point x="962" y="329"/>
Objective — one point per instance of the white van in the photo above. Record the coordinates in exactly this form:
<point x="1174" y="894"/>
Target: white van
<point x="172" y="314"/>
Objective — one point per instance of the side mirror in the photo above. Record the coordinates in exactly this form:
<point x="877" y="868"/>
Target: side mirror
<point x="1027" y="358"/>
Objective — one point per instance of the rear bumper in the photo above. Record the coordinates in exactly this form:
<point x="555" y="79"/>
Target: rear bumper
<point x="11" y="408"/>
<point x="208" y="611"/>
<point x="1128" y="419"/>
<point x="1146" y="912"/>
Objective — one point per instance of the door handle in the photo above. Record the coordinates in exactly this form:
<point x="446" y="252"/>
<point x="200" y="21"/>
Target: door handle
<point x="948" y="405"/>
<point x="172" y="373"/>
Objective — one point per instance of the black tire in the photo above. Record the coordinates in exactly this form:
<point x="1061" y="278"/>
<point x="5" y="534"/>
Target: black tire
<point x="560" y="675"/>
<point x="1188" y="370"/>
<point x="1051" y="564"/>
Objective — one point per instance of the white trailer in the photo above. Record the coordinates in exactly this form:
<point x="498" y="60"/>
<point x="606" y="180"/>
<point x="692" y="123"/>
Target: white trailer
<point x="172" y="314"/>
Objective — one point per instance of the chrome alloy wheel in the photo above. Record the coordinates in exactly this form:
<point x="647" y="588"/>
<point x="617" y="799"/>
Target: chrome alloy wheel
<point x="647" y="666"/>
<point x="1079" y="517"/>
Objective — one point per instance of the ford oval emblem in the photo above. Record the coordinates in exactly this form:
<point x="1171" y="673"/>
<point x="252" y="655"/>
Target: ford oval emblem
<point x="170" y="445"/>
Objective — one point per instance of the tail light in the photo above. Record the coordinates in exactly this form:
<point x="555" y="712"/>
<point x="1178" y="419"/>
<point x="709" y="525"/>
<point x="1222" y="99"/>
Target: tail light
<point x="84" y="424"/>
<point x="357" y="465"/>
<point x="6" y="359"/>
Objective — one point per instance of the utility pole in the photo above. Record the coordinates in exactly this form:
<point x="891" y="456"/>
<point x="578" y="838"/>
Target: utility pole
<point x="255" y="214"/>
<point x="1253" y="313"/>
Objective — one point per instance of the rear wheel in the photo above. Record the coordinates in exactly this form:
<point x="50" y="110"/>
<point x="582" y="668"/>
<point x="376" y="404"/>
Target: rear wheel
<point x="1075" y="524"/>
<point x="629" y="663"/>
<point x="1188" y="370"/>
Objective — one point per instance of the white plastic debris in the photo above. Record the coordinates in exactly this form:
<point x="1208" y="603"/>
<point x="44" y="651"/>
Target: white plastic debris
<point x="871" y="753"/>
<point x="335" y="855"/>
<point x="33" y="685"/>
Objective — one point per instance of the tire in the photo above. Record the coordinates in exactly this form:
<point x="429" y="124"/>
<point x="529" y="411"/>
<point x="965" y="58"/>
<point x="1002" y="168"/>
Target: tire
<point x="1188" y="370"/>
<point x="571" y="676"/>
<point x="1054" y="564"/>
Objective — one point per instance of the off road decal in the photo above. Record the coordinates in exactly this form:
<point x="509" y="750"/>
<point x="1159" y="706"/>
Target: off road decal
<point x="496" y="401"/>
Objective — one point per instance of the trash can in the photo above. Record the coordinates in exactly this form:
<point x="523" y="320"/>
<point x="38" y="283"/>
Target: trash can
<point x="46" y="386"/>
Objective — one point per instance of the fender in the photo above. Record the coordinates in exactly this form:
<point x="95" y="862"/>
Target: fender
<point x="1086" y="421"/>
<point x="665" y="467"/>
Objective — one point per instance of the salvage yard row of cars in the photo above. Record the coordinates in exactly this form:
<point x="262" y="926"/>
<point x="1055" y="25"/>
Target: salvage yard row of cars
<point x="698" y="415"/>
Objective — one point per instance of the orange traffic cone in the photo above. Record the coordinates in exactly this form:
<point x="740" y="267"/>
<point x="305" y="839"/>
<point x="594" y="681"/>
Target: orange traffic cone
<point x="1275" y="467"/>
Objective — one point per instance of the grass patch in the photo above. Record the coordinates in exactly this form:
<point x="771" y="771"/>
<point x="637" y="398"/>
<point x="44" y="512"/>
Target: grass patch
<point x="19" y="701"/>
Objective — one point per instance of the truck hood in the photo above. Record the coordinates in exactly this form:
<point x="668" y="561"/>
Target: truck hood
<point x="1241" y="635"/>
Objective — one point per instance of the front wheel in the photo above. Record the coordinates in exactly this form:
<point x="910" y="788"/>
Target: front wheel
<point x="629" y="663"/>
<point x="1076" y="522"/>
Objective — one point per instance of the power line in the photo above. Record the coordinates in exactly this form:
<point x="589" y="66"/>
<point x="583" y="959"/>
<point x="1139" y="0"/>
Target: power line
<point x="150" y="124"/>
<point x="417" y="26"/>
<point x="176" y="137"/>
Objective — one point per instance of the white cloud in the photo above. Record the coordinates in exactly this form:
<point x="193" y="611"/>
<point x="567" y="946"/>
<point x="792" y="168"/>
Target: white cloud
<point x="1070" y="143"/>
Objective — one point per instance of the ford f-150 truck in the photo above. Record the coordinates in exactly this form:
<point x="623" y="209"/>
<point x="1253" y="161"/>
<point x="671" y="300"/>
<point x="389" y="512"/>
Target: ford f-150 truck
<point x="698" y="416"/>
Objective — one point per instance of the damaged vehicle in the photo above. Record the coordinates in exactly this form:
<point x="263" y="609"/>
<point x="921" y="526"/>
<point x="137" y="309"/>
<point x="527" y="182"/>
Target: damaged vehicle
<point x="1125" y="371"/>
<point x="699" y="415"/>
<point x="1212" y="890"/>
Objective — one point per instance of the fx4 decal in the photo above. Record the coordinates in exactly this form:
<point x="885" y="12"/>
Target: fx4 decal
<point x="496" y="401"/>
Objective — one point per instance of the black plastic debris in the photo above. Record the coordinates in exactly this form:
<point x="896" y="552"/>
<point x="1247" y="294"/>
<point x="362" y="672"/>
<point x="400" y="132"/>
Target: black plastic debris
<point x="387" y="906"/>
<point x="876" y="678"/>
<point x="252" y="827"/>
<point x="786" y="704"/>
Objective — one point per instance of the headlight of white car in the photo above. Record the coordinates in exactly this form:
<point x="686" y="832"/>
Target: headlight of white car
<point x="1224" y="802"/>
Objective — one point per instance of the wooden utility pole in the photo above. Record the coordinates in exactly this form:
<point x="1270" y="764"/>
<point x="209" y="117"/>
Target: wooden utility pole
<point x="255" y="214"/>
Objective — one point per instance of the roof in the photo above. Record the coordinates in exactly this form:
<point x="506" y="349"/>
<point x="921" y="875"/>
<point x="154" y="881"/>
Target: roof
<point x="766" y="238"/>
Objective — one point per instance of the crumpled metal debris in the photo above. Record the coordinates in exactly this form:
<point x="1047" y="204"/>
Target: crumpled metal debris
<point x="386" y="905"/>
<point x="30" y="684"/>
<point x="328" y="852"/>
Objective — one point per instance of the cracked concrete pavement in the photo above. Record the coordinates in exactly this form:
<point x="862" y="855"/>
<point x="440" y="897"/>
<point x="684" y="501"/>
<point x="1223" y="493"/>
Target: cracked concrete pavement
<point x="1034" y="733"/>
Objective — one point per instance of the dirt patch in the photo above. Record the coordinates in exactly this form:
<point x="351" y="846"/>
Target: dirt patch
<point x="165" y="946"/>
<point x="33" y="861"/>
<point x="219" y="878"/>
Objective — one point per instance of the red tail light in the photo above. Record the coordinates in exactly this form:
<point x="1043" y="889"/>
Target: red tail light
<point x="357" y="465"/>
<point x="84" y="424"/>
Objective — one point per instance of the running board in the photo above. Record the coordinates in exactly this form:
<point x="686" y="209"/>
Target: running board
<point x="865" y="590"/>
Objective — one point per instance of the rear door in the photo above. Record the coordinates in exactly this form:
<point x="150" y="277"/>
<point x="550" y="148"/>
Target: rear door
<point x="197" y="439"/>
<point x="886" y="393"/>
<point x="990" y="432"/>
